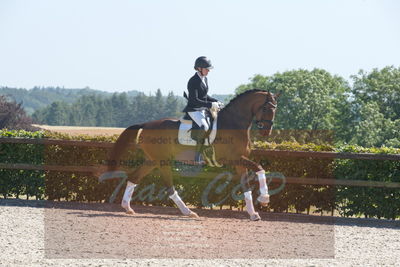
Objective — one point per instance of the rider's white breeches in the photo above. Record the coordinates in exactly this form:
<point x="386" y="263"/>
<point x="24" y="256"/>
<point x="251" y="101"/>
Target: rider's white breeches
<point x="200" y="118"/>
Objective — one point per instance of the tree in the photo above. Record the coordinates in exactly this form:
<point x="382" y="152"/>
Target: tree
<point x="381" y="87"/>
<point x="172" y="106"/>
<point x="376" y="98"/>
<point x="57" y="114"/>
<point x="119" y="110"/>
<point x="159" y="106"/>
<point x="310" y="100"/>
<point x="88" y="110"/>
<point x="13" y="116"/>
<point x="103" y="116"/>
<point x="369" y="131"/>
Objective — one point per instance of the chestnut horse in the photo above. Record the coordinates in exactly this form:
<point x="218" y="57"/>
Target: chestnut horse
<point x="233" y="124"/>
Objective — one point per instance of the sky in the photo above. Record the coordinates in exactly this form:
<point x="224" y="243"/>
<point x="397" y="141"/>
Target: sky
<point x="147" y="45"/>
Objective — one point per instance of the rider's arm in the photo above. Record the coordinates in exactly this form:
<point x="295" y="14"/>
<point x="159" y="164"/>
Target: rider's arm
<point x="193" y="88"/>
<point x="211" y="99"/>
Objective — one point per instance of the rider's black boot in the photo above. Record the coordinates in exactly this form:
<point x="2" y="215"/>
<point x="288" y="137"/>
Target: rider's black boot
<point x="201" y="137"/>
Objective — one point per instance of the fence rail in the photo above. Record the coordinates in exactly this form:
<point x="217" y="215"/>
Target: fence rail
<point x="38" y="141"/>
<point x="330" y="155"/>
<point x="255" y="152"/>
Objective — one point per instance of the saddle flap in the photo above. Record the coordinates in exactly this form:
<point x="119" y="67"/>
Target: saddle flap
<point x="185" y="133"/>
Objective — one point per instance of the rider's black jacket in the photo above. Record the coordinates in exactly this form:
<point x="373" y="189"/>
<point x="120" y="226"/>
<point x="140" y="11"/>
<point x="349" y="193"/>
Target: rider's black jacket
<point x="198" y="97"/>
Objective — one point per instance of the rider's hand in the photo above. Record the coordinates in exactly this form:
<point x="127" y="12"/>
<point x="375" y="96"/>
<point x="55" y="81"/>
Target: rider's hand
<point x="214" y="106"/>
<point x="220" y="104"/>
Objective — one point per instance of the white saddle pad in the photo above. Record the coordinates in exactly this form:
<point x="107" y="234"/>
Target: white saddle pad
<point x="184" y="137"/>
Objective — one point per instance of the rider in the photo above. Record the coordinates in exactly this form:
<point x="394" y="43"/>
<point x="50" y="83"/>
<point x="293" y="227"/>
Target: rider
<point x="199" y="101"/>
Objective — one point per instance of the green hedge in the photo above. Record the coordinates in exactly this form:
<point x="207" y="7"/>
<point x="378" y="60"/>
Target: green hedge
<point x="21" y="182"/>
<point x="369" y="201"/>
<point x="204" y="189"/>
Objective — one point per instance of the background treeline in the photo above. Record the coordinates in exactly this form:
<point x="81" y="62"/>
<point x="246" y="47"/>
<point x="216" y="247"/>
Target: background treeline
<point x="40" y="97"/>
<point x="118" y="110"/>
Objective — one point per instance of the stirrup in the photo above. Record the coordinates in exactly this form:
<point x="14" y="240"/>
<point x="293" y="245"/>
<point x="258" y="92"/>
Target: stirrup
<point x="208" y="151"/>
<point x="209" y="156"/>
<point x="198" y="159"/>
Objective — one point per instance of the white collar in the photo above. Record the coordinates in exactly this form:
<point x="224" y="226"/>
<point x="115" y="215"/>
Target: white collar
<point x="203" y="78"/>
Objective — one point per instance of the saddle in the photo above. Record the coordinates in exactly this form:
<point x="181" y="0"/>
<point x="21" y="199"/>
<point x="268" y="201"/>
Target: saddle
<point x="189" y="132"/>
<point x="196" y="131"/>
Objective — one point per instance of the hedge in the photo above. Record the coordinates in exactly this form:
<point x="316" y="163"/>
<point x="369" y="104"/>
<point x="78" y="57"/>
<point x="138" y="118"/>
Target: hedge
<point x="211" y="186"/>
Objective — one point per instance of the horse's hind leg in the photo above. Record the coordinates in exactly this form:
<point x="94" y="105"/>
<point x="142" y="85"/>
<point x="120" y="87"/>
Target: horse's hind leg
<point x="133" y="180"/>
<point x="166" y="175"/>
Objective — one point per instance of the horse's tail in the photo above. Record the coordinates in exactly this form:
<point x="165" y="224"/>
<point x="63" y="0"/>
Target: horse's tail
<point x="126" y="141"/>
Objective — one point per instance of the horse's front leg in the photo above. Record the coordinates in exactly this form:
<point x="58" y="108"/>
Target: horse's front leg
<point x="241" y="172"/>
<point x="263" y="198"/>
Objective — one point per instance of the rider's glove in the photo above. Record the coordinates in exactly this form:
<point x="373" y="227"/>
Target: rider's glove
<point x="220" y="104"/>
<point x="214" y="106"/>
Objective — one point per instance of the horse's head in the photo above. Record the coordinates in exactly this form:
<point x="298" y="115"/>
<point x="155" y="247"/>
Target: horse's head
<point x="265" y="113"/>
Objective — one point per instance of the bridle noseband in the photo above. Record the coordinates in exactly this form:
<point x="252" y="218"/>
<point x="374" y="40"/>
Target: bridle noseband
<point x="265" y="124"/>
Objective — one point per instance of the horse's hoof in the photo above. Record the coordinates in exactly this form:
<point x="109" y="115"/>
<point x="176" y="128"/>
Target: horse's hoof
<point x="127" y="208"/>
<point x="130" y="212"/>
<point x="193" y="215"/>
<point x="263" y="200"/>
<point x="255" y="217"/>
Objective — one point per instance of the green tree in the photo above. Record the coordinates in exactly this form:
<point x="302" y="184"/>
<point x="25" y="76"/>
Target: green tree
<point x="57" y="114"/>
<point x="103" y="116"/>
<point x="159" y="106"/>
<point x="89" y="111"/>
<point x="172" y="106"/>
<point x="118" y="110"/>
<point x="370" y="130"/>
<point x="310" y="100"/>
<point x="376" y="98"/>
<point x="381" y="87"/>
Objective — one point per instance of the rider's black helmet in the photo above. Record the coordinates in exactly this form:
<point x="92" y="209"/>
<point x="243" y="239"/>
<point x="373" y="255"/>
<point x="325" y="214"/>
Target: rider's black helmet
<point x="203" y="62"/>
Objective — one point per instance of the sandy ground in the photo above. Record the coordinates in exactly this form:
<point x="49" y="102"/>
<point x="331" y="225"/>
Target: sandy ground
<point x="63" y="234"/>
<point x="76" y="130"/>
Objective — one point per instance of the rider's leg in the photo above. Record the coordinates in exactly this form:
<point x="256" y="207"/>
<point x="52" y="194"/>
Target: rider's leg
<point x="199" y="117"/>
<point x="201" y="138"/>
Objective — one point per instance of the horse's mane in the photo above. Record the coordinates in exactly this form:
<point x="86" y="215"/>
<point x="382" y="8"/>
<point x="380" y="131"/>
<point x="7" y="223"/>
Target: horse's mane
<point x="242" y="94"/>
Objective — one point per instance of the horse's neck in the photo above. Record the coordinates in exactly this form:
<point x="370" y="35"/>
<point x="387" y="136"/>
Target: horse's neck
<point x="237" y="116"/>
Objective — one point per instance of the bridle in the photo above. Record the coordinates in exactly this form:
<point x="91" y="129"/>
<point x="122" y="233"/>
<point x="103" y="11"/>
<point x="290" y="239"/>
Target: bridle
<point x="265" y="124"/>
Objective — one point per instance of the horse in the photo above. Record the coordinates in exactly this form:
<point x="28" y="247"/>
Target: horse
<point x="233" y="123"/>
